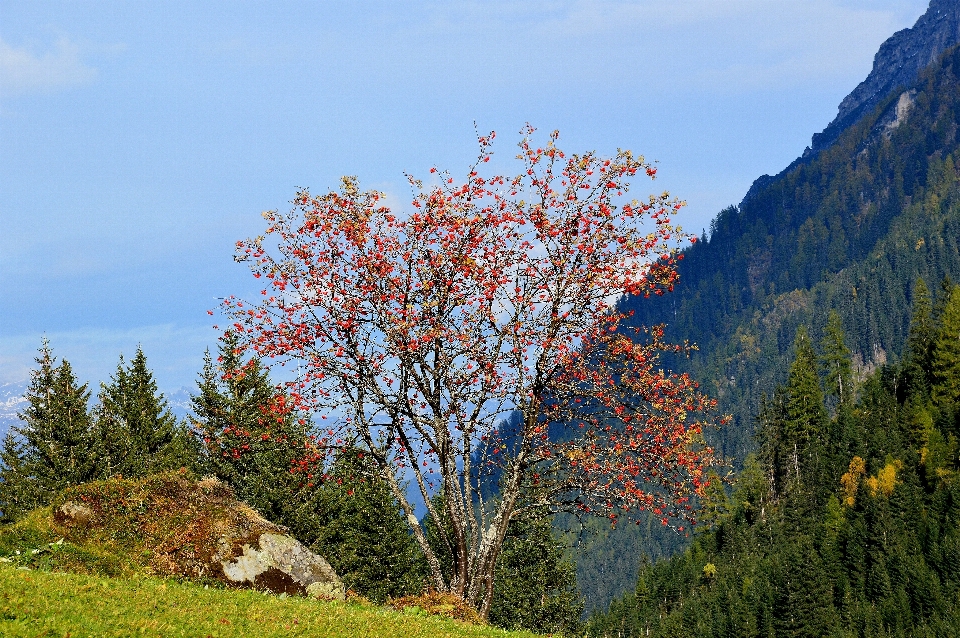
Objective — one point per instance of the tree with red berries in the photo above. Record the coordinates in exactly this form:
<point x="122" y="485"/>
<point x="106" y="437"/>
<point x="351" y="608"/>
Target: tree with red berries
<point x="416" y="335"/>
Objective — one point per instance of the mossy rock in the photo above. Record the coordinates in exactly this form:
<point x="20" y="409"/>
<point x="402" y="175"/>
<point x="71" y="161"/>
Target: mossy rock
<point x="170" y="525"/>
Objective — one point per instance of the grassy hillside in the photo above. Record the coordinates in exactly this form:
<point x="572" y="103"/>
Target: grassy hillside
<point x="35" y="603"/>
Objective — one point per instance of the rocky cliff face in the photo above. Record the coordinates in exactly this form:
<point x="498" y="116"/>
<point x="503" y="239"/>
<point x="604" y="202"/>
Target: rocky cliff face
<point x="897" y="64"/>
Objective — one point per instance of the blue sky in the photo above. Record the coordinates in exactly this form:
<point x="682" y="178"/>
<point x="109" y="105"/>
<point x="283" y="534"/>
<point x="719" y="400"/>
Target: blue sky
<point x="140" y="140"/>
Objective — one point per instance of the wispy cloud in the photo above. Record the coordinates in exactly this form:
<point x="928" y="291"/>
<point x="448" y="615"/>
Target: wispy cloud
<point x="733" y="45"/>
<point x="24" y="71"/>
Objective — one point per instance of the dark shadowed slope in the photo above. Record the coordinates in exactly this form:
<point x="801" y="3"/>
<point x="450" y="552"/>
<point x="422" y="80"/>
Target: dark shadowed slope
<point x="850" y="228"/>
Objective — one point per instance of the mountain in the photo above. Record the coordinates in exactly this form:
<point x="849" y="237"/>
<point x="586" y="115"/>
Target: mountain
<point x="897" y="64"/>
<point x="179" y="403"/>
<point x="11" y="402"/>
<point x="849" y="226"/>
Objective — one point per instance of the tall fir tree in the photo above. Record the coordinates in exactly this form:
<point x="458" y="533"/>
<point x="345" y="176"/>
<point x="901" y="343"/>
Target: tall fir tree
<point x="52" y="449"/>
<point x="247" y="441"/>
<point x="835" y="361"/>
<point x="918" y="359"/>
<point x="946" y="352"/>
<point x="137" y="434"/>
<point x="535" y="585"/>
<point x="776" y="453"/>
<point x="806" y="417"/>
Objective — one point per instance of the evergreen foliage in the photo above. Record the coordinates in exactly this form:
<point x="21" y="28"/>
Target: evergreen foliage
<point x="836" y="362"/>
<point x="805" y="411"/>
<point x="920" y="338"/>
<point x="860" y="540"/>
<point x="946" y="352"/>
<point x="535" y="586"/>
<point x="136" y="434"/>
<point x="256" y="444"/>
<point x="51" y="450"/>
<point x="849" y="228"/>
<point x="246" y="443"/>
<point x="358" y="526"/>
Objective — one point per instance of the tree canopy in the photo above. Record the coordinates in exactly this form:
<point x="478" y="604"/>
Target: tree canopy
<point x="414" y="335"/>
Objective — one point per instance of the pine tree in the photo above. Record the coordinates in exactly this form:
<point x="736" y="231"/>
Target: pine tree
<point x="535" y="586"/>
<point x="51" y="450"/>
<point x="946" y="352"/>
<point x="358" y="526"/>
<point x="18" y="492"/>
<point x="805" y="413"/>
<point x="806" y="417"/>
<point x="836" y="361"/>
<point x="246" y="442"/>
<point x="751" y="493"/>
<point x="776" y="453"/>
<point x="918" y="359"/>
<point x="943" y="296"/>
<point x="136" y="432"/>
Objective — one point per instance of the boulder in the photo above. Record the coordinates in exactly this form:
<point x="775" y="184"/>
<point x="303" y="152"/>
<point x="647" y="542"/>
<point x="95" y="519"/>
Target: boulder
<point x="172" y="525"/>
<point x="73" y="513"/>
<point x="280" y="563"/>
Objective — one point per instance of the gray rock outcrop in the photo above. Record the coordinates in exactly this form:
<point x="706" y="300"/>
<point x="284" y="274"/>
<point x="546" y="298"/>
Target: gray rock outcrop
<point x="172" y="525"/>
<point x="282" y="564"/>
<point x="897" y="64"/>
<point x="74" y="513"/>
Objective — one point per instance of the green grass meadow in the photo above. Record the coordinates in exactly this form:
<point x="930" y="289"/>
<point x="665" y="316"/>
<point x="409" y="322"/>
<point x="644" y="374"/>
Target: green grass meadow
<point x="37" y="603"/>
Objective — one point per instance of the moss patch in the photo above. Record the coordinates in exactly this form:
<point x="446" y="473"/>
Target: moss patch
<point x="167" y="524"/>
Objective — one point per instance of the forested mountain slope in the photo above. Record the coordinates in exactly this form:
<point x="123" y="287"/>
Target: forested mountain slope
<point x="849" y="226"/>
<point x="843" y="525"/>
<point x="897" y="64"/>
<point x="850" y="229"/>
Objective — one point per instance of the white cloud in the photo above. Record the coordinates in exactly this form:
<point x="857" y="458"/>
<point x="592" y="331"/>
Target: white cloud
<point x="24" y="71"/>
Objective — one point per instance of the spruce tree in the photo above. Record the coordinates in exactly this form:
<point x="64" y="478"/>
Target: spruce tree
<point x="535" y="585"/>
<point x="18" y="493"/>
<point x="355" y="522"/>
<point x="137" y="434"/>
<point x="777" y="454"/>
<point x="918" y="359"/>
<point x="51" y="450"/>
<point x="946" y="352"/>
<point x="836" y="361"/>
<point x="246" y="442"/>
<point x="806" y="417"/>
